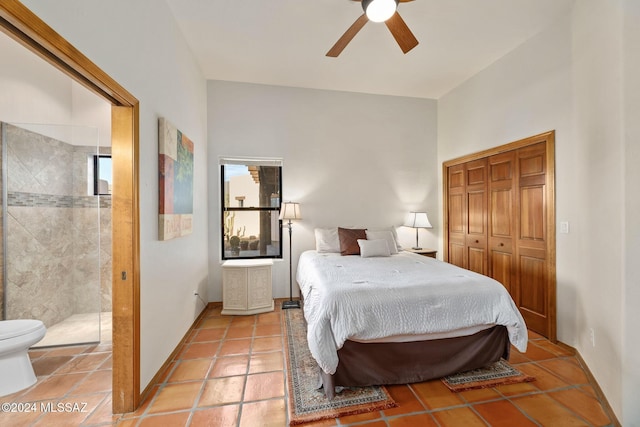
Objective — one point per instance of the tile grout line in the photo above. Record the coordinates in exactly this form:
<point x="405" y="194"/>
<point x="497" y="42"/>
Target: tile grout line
<point x="175" y="362"/>
<point x="385" y="419"/>
<point x="196" y="401"/>
<point x="67" y="396"/>
<point x="246" y="373"/>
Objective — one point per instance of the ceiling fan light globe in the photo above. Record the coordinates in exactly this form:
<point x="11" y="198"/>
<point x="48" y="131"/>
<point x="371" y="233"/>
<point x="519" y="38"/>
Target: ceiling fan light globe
<point x="379" y="10"/>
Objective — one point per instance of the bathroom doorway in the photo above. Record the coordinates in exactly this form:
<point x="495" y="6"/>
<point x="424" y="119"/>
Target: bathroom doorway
<point x="36" y="36"/>
<point x="56" y="230"/>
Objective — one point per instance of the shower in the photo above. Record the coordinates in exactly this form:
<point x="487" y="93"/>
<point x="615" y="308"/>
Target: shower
<point x="56" y="231"/>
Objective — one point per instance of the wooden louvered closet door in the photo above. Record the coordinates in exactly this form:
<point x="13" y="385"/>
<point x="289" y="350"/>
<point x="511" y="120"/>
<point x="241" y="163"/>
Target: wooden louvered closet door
<point x="500" y="222"/>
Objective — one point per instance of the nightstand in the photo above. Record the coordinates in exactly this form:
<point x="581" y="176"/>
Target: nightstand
<point x="424" y="251"/>
<point x="246" y="286"/>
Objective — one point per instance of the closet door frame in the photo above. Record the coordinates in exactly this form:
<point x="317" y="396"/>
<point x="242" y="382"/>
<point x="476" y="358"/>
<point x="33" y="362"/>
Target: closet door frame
<point x="548" y="138"/>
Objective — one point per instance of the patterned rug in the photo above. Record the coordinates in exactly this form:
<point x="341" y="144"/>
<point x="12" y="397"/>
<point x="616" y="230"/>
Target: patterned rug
<point x="307" y="402"/>
<point x="500" y="373"/>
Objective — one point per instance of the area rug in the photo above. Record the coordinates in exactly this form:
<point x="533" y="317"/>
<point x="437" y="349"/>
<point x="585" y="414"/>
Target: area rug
<point x="500" y="373"/>
<point x="308" y="403"/>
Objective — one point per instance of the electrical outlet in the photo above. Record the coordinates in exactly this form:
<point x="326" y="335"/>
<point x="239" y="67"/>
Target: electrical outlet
<point x="195" y="293"/>
<point x="592" y="337"/>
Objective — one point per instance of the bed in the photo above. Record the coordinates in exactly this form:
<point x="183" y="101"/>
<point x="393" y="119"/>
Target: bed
<point x="401" y="318"/>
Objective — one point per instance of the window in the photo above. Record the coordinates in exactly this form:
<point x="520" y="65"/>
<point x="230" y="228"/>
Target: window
<point x="102" y="175"/>
<point x="251" y="192"/>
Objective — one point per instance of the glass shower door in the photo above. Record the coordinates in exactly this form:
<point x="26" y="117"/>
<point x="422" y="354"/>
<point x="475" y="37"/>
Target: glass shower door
<point x="55" y="230"/>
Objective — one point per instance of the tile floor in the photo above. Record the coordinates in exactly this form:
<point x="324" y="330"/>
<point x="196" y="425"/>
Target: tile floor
<point x="230" y="372"/>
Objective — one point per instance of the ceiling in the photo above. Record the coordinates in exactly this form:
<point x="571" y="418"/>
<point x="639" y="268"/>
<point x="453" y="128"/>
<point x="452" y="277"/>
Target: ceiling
<point x="284" y="42"/>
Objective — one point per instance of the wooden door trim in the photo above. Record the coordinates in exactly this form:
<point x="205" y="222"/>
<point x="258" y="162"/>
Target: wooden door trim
<point x="551" y="230"/>
<point x="549" y="139"/>
<point x="543" y="137"/>
<point x="24" y="26"/>
<point x="125" y="258"/>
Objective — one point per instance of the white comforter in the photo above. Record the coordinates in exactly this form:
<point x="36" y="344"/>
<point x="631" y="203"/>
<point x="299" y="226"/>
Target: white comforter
<point x="349" y="297"/>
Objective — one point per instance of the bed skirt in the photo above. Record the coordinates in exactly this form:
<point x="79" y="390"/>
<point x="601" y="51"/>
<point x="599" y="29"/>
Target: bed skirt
<point x="365" y="364"/>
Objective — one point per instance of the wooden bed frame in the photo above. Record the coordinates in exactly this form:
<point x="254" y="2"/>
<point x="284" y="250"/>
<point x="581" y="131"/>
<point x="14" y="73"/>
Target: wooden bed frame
<point x="365" y="364"/>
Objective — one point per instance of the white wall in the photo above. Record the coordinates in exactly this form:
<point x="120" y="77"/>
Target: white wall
<point x="568" y="78"/>
<point x="43" y="99"/>
<point x="91" y="115"/>
<point x="631" y="296"/>
<point x="139" y="45"/>
<point x="349" y="160"/>
<point x="32" y="90"/>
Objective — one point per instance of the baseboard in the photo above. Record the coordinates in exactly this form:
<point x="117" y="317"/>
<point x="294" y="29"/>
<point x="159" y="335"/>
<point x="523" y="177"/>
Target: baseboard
<point x="593" y="382"/>
<point x="160" y="374"/>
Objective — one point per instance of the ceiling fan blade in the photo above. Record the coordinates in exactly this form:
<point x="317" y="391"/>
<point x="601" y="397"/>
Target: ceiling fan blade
<point x="401" y="1"/>
<point x="401" y="33"/>
<point x="347" y="36"/>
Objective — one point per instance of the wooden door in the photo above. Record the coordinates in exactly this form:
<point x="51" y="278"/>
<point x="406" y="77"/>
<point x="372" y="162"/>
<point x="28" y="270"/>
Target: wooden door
<point x="502" y="223"/>
<point x="532" y="294"/>
<point x="476" y="210"/>
<point x="456" y="216"/>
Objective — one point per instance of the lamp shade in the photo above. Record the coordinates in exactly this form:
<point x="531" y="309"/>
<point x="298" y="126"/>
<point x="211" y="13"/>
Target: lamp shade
<point x="379" y="10"/>
<point x="290" y="210"/>
<point x="417" y="220"/>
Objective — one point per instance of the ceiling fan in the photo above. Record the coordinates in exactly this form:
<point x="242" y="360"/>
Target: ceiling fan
<point x="378" y="11"/>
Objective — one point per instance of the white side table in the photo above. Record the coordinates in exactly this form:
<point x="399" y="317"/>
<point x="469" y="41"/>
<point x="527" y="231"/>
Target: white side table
<point x="246" y="286"/>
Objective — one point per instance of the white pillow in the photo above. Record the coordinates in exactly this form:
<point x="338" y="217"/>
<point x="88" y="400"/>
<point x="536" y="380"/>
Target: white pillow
<point x="385" y="235"/>
<point x="394" y="231"/>
<point x="327" y="240"/>
<point x="371" y="248"/>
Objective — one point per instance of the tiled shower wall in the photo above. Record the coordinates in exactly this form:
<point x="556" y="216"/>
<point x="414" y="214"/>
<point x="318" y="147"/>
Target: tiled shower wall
<point x="58" y="252"/>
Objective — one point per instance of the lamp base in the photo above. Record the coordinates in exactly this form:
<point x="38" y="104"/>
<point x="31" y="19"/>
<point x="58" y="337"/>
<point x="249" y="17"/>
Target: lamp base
<point x="416" y="249"/>
<point x="290" y="304"/>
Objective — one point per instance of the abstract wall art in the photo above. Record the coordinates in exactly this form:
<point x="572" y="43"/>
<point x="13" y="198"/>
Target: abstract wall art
<point x="175" y="174"/>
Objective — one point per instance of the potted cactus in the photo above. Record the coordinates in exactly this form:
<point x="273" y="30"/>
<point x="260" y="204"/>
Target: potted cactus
<point x="234" y="241"/>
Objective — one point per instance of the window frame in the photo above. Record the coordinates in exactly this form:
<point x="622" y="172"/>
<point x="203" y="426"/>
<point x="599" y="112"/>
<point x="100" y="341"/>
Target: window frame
<point x="96" y="173"/>
<point x="274" y="209"/>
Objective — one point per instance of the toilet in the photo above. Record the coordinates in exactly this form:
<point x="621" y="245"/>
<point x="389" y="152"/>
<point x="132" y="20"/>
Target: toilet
<point x="16" y="336"/>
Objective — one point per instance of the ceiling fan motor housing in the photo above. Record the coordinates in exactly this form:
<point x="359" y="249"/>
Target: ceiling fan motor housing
<point x="379" y="10"/>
